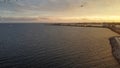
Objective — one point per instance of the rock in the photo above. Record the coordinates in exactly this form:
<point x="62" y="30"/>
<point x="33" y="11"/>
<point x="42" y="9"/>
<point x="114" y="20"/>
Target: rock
<point x="115" y="44"/>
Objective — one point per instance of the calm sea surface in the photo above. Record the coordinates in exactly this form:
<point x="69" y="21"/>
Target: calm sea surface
<point x="47" y="46"/>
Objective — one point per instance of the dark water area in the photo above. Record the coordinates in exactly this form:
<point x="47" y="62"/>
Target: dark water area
<point x="47" y="46"/>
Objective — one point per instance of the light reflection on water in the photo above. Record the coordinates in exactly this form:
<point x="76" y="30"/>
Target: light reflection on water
<point x="38" y="45"/>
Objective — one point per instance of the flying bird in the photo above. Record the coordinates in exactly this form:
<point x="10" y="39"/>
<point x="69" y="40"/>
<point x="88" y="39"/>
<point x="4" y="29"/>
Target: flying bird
<point x="81" y="5"/>
<point x="84" y="3"/>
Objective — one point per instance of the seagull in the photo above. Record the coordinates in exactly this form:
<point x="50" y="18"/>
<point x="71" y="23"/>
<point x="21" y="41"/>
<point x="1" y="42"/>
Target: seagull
<point x="82" y="5"/>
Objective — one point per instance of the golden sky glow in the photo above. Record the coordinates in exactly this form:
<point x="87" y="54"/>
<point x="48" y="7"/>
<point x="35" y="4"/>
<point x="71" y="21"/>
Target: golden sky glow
<point x="61" y="10"/>
<point x="81" y="19"/>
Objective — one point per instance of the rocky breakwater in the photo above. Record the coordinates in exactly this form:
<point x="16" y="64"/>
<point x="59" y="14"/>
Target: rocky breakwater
<point x="115" y="44"/>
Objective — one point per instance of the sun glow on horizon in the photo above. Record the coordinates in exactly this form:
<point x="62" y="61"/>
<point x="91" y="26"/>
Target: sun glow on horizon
<point x="81" y="19"/>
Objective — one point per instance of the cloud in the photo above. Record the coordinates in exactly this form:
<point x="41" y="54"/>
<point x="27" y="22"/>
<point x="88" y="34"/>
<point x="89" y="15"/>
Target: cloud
<point x="59" y="7"/>
<point x="37" y="7"/>
<point x="17" y="19"/>
<point x="40" y="5"/>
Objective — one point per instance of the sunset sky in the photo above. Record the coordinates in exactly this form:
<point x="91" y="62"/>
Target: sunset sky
<point x="60" y="10"/>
